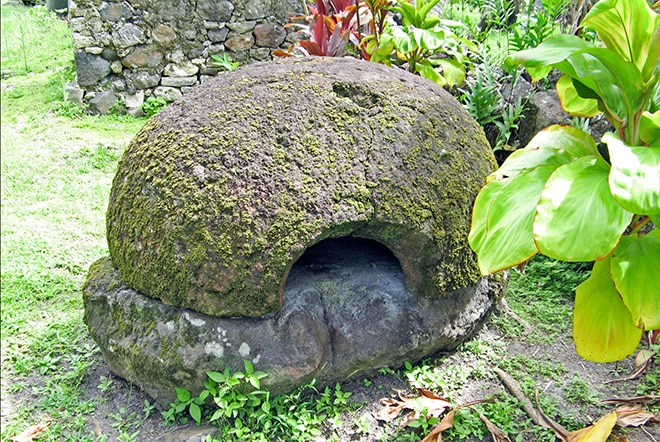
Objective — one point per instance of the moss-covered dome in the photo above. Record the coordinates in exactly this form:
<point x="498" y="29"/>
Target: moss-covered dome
<point x="219" y="194"/>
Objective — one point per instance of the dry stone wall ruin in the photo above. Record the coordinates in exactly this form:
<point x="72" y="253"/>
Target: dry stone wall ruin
<point x="127" y="51"/>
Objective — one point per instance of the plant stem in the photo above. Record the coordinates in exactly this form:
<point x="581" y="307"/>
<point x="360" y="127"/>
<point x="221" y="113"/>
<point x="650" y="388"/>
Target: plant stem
<point x="639" y="224"/>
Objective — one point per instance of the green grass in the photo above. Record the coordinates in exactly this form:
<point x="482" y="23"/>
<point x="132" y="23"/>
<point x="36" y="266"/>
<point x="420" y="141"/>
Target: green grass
<point x="56" y="176"/>
<point x="34" y="40"/>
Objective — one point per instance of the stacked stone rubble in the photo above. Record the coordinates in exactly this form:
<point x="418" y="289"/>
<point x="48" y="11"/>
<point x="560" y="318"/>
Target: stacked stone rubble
<point x="127" y="51"/>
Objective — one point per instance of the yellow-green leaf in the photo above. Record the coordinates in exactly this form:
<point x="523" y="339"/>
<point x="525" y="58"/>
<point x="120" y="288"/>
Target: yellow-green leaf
<point x="603" y="329"/>
<point x="631" y="29"/>
<point x="635" y="175"/>
<point x="649" y="128"/>
<point x="554" y="145"/>
<point x="501" y="233"/>
<point x="635" y="271"/>
<point x="598" y="432"/>
<point x="572" y="102"/>
<point x="577" y="217"/>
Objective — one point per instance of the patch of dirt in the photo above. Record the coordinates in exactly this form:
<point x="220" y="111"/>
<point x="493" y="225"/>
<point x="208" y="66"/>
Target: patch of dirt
<point x="122" y="406"/>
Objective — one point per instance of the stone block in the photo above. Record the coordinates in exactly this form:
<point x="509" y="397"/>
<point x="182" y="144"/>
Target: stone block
<point x="240" y="43"/>
<point x="182" y="69"/>
<point x="90" y="68"/>
<point x="178" y="81"/>
<point x="269" y="35"/>
<point x="241" y="27"/>
<point x="102" y="102"/>
<point x="167" y="93"/>
<point x="143" y="57"/>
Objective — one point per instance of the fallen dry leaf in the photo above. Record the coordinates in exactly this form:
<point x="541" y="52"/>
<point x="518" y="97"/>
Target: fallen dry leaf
<point x="446" y="423"/>
<point x="497" y="434"/>
<point x="390" y="410"/>
<point x="31" y="433"/>
<point x="598" y="432"/>
<point x="633" y="415"/>
<point x="434" y="405"/>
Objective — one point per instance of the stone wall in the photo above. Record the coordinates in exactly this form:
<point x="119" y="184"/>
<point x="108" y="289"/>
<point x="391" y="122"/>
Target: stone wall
<point x="127" y="51"/>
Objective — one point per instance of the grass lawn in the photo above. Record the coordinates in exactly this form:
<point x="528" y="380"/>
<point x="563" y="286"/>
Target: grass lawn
<point x="57" y="170"/>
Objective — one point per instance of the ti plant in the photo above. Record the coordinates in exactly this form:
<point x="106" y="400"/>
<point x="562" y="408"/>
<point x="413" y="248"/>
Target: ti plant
<point x="332" y="24"/>
<point x="431" y="49"/>
<point x="564" y="197"/>
<point x="366" y="29"/>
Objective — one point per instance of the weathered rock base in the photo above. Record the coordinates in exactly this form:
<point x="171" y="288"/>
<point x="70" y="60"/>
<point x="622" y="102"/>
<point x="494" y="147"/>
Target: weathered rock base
<point x="346" y="312"/>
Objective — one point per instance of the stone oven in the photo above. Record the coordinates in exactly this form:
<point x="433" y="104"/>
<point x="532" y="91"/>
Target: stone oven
<point x="309" y="215"/>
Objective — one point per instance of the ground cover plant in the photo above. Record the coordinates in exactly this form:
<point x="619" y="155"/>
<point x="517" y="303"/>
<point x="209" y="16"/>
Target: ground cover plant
<point x="57" y="167"/>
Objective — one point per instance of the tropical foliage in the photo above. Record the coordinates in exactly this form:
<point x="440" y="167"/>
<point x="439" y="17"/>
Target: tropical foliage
<point x="565" y="197"/>
<point x="422" y="42"/>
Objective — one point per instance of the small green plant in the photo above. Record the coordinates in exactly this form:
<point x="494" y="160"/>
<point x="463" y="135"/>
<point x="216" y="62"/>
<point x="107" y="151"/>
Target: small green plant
<point x="153" y="105"/>
<point x="148" y="409"/>
<point x="105" y="384"/>
<point x="244" y="412"/>
<point x="237" y="394"/>
<point x="363" y="424"/>
<point x="429" y="47"/>
<point x="424" y="422"/>
<point x="561" y="197"/>
<point x="224" y="62"/>
<point x="578" y="391"/>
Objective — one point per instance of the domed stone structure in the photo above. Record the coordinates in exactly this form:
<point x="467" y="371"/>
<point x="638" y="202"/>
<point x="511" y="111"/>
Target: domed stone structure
<point x="221" y="193"/>
<point x="218" y="197"/>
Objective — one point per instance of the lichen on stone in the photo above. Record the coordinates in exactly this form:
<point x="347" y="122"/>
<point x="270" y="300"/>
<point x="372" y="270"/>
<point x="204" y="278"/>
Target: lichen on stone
<point x="218" y="195"/>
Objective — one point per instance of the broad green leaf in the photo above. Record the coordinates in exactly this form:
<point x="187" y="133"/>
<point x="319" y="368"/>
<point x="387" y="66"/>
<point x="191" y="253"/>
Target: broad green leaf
<point x="649" y="128"/>
<point x="485" y="198"/>
<point x="508" y="206"/>
<point x="523" y="160"/>
<point x="407" y="11"/>
<point x="554" y="145"/>
<point x="618" y="83"/>
<point x="427" y="71"/>
<point x="603" y="329"/>
<point x="635" y="271"/>
<point x="635" y="175"/>
<point x="553" y="50"/>
<point x="182" y="394"/>
<point x="654" y="106"/>
<point x="429" y="22"/>
<point x="249" y="368"/>
<point x="577" y="218"/>
<point x="426" y="38"/>
<point x="655" y="219"/>
<point x="402" y="42"/>
<point x="452" y="70"/>
<point x="216" y="376"/>
<point x="196" y="412"/>
<point x="574" y="141"/>
<point x="424" y="9"/>
<point x="630" y="29"/>
<point x="572" y="102"/>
